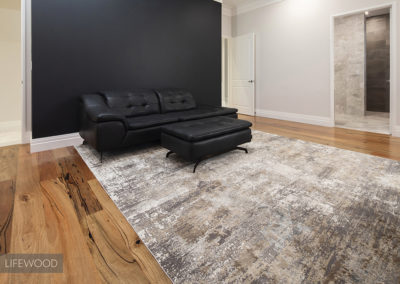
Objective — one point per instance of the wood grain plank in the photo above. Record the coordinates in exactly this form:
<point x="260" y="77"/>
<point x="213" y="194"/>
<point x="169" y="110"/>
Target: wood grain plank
<point x="376" y="144"/>
<point x="61" y="152"/>
<point x="8" y="175"/>
<point x="7" y="194"/>
<point x="8" y="162"/>
<point x="79" y="266"/>
<point x="81" y="166"/>
<point x="117" y="258"/>
<point x="80" y="192"/>
<point x="39" y="226"/>
<point x="29" y="228"/>
<point x="47" y="165"/>
<point x="126" y="243"/>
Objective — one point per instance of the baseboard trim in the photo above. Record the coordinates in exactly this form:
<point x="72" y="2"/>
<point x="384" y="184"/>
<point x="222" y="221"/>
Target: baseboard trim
<point x="10" y="142"/>
<point x="396" y="131"/>
<point x="55" y="142"/>
<point x="295" y="117"/>
<point x="10" y="133"/>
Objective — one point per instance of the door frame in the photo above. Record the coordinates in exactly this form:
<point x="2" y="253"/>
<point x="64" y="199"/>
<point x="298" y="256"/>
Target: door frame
<point x="26" y="72"/>
<point x="225" y="72"/>
<point x="230" y="70"/>
<point x="393" y="59"/>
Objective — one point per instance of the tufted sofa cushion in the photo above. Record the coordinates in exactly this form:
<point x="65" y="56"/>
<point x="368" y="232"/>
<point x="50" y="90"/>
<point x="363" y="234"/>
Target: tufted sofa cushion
<point x="175" y="100"/>
<point x="133" y="103"/>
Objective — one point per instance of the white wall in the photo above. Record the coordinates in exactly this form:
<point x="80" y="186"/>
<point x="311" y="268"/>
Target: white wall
<point x="226" y="26"/>
<point x="10" y="65"/>
<point x="293" y="53"/>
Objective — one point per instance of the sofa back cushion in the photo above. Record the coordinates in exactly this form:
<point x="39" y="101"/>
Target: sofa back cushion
<point x="175" y="100"/>
<point x="132" y="103"/>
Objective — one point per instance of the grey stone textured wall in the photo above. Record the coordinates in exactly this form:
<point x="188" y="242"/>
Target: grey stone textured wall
<point x="378" y="63"/>
<point x="350" y="65"/>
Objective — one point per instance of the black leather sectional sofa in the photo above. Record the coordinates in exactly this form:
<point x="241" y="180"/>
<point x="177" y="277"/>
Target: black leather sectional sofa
<point x="111" y="120"/>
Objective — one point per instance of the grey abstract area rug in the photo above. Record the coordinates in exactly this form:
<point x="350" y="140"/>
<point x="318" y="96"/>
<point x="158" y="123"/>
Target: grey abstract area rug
<point x="288" y="212"/>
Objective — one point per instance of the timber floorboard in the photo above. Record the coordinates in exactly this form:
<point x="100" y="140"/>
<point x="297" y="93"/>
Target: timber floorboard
<point x="381" y="145"/>
<point x="50" y="202"/>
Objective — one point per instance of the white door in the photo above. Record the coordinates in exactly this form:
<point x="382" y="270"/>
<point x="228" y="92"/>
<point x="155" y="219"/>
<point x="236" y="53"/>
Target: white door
<point x="242" y="79"/>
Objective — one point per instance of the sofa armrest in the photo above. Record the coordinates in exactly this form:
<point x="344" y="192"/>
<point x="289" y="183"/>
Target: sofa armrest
<point x="97" y="110"/>
<point x="100" y="114"/>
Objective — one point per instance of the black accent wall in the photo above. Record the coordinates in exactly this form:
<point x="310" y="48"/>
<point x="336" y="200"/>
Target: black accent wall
<point x="84" y="46"/>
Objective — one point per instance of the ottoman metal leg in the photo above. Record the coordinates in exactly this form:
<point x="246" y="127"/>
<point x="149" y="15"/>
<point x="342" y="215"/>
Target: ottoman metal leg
<point x="204" y="158"/>
<point x="243" y="149"/>
<point x="197" y="163"/>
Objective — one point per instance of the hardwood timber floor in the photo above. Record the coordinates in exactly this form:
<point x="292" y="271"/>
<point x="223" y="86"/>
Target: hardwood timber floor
<point x="50" y="202"/>
<point x="381" y="145"/>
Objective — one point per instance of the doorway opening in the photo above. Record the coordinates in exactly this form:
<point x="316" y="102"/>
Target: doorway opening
<point x="362" y="70"/>
<point x="10" y="73"/>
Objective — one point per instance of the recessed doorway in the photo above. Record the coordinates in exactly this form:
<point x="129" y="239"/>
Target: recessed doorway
<point x="362" y="56"/>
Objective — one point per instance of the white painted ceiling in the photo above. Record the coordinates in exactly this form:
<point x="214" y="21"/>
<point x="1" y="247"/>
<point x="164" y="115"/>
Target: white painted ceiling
<point x="235" y="3"/>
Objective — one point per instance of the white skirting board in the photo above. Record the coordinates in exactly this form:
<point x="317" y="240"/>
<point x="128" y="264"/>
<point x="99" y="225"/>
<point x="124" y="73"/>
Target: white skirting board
<point x="10" y="133"/>
<point x="54" y="142"/>
<point x="302" y="118"/>
<point x="396" y="131"/>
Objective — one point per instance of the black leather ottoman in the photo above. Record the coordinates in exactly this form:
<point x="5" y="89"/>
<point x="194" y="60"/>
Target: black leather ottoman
<point x="197" y="140"/>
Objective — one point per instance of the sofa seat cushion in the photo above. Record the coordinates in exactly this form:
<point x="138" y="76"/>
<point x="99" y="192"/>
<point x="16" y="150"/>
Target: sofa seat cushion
<point x="203" y="129"/>
<point x="150" y="120"/>
<point x="205" y="112"/>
